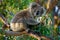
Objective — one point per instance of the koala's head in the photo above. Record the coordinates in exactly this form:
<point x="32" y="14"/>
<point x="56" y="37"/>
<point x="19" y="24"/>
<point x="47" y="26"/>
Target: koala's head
<point x="36" y="10"/>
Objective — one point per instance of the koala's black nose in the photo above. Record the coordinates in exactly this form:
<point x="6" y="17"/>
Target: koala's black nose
<point x="37" y="13"/>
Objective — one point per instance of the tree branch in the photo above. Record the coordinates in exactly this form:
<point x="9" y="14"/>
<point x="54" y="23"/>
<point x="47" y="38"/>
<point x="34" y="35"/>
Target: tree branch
<point x="51" y="4"/>
<point x="3" y="19"/>
<point x="30" y="33"/>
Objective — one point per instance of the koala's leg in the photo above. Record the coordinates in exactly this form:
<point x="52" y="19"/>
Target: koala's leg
<point x="20" y="25"/>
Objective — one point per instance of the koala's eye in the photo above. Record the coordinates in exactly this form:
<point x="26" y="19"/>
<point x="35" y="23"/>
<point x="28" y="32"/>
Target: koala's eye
<point x="37" y="13"/>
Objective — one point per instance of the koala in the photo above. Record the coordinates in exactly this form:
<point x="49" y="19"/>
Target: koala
<point x="26" y="17"/>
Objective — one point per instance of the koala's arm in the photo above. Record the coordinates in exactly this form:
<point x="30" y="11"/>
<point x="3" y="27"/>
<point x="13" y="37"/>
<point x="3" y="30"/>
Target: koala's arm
<point x="32" y="22"/>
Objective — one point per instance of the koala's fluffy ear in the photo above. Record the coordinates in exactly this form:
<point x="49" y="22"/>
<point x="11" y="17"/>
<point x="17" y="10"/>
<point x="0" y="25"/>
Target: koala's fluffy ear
<point x="33" y="5"/>
<point x="31" y="22"/>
